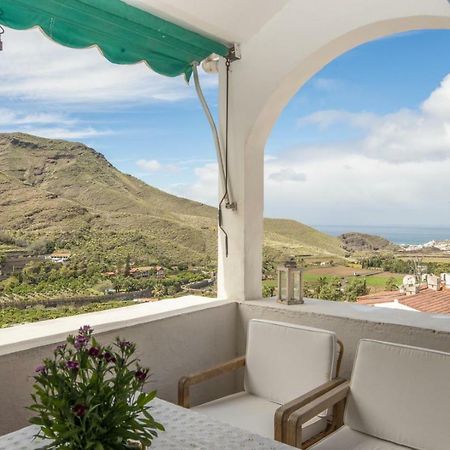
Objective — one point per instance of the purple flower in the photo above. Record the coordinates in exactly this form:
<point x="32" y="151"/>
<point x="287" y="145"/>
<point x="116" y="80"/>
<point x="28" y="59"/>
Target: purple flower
<point x="60" y="347"/>
<point x="73" y="365"/>
<point x="109" y="357"/>
<point x="85" y="329"/>
<point x="141" y="374"/>
<point x="41" y="369"/>
<point x="80" y="341"/>
<point x="79" y="410"/>
<point x="94" y="352"/>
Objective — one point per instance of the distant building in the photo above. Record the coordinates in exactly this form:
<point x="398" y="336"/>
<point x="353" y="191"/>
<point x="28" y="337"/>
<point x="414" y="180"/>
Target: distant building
<point x="427" y="299"/>
<point x="109" y="274"/>
<point x="140" y="272"/>
<point x="160" y="272"/>
<point x="410" y="286"/>
<point x="434" y="282"/>
<point x="60" y="256"/>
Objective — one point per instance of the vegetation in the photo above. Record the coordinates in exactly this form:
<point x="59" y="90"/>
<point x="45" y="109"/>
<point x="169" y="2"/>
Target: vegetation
<point x="60" y="195"/>
<point x="361" y="242"/>
<point x="389" y="264"/>
<point x="65" y="195"/>
<point x="14" y="316"/>
<point x="45" y="279"/>
<point x="391" y="284"/>
<point x="90" y="396"/>
<point x="333" y="288"/>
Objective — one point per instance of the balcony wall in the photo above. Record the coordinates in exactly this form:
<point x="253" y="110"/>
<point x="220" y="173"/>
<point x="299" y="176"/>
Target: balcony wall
<point x="180" y="336"/>
<point x="174" y="337"/>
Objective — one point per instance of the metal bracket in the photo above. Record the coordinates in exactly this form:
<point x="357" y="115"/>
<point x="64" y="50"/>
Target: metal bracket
<point x="232" y="206"/>
<point x="234" y="53"/>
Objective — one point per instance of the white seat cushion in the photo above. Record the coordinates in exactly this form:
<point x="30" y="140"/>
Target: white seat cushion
<point x="284" y="361"/>
<point x="253" y="414"/>
<point x="347" y="439"/>
<point x="401" y="394"/>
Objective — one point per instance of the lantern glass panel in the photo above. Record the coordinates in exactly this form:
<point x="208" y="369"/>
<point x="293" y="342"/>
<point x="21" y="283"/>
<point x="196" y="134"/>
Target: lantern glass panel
<point x="297" y="285"/>
<point x="283" y="285"/>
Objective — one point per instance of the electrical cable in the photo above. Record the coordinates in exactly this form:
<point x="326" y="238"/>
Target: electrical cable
<point x="225" y="194"/>
<point x="223" y="165"/>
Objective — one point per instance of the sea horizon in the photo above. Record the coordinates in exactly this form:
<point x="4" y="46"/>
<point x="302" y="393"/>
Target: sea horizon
<point x="398" y="234"/>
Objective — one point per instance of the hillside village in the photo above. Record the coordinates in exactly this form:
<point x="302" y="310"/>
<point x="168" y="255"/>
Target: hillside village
<point x="63" y="241"/>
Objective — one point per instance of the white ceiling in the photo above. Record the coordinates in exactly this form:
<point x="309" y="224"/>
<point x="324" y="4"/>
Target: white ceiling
<point x="228" y="20"/>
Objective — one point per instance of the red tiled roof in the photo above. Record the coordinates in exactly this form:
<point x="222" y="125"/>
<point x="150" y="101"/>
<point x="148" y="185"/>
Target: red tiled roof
<point x="427" y="300"/>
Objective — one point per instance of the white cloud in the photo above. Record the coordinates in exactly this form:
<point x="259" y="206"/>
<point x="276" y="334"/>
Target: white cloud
<point x="65" y="133"/>
<point x="397" y="173"/>
<point x="329" y="117"/>
<point x="286" y="175"/>
<point x="44" y="124"/>
<point x="205" y="187"/>
<point x="35" y="68"/>
<point x="10" y="117"/>
<point x="153" y="165"/>
<point x="438" y="104"/>
<point x="400" y="137"/>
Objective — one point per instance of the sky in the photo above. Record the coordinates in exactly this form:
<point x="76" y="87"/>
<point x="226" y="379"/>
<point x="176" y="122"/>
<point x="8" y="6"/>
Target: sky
<point x="366" y="141"/>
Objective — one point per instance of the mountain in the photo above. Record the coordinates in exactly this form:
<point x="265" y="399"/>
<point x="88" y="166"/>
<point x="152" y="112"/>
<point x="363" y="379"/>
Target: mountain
<point x="360" y="242"/>
<point x="69" y="193"/>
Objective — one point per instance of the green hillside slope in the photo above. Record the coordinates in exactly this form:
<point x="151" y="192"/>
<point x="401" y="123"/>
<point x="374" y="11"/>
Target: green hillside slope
<point x="69" y="193"/>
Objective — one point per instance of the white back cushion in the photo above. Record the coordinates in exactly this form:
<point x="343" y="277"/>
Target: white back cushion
<point x="401" y="394"/>
<point x="284" y="361"/>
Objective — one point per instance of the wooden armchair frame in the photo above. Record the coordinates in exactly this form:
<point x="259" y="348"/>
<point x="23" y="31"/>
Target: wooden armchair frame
<point x="333" y="398"/>
<point x="283" y="413"/>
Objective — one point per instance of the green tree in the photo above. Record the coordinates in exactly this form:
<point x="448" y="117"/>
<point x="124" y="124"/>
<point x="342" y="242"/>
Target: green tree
<point x="321" y="283"/>
<point x="391" y="284"/>
<point x="332" y="290"/>
<point x="126" y="270"/>
<point x="355" y="288"/>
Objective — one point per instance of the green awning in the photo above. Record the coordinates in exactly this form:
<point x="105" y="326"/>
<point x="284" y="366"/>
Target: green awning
<point x="124" y="34"/>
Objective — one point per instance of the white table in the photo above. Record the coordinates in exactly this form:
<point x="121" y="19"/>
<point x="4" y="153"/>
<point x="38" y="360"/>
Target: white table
<point x="185" y="429"/>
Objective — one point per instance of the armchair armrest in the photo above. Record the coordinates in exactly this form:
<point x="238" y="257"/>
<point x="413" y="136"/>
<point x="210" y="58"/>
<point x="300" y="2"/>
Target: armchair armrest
<point x="283" y="412"/>
<point x="332" y="398"/>
<point x="187" y="381"/>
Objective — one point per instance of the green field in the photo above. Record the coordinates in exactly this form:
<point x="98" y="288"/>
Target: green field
<point x="378" y="282"/>
<point x="373" y="280"/>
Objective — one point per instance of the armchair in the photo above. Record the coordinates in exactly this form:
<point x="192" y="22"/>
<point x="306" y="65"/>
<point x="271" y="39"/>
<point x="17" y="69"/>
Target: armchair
<point x="398" y="398"/>
<point x="286" y="366"/>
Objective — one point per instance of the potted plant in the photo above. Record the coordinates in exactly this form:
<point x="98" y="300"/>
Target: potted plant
<point x="89" y="396"/>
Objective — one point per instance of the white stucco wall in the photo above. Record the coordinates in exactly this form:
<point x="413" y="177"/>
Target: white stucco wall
<point x="291" y="47"/>
<point x="174" y="338"/>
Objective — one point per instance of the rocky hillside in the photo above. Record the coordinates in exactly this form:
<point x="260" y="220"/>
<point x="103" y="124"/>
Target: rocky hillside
<point x="70" y="193"/>
<point x="361" y="242"/>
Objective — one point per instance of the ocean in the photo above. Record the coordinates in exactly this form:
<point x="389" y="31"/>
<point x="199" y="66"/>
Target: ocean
<point x="395" y="233"/>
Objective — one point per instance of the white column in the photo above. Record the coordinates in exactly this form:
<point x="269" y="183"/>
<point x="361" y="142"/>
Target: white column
<point x="297" y="42"/>
<point x="239" y="274"/>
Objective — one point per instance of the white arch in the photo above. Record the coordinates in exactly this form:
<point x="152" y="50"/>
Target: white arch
<point x="312" y="64"/>
<point x="299" y="40"/>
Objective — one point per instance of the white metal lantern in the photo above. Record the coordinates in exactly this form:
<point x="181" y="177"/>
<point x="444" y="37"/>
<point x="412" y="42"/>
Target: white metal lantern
<point x="290" y="283"/>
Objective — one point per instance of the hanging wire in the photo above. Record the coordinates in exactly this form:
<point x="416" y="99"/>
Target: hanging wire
<point x="225" y="196"/>
<point x="221" y="153"/>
